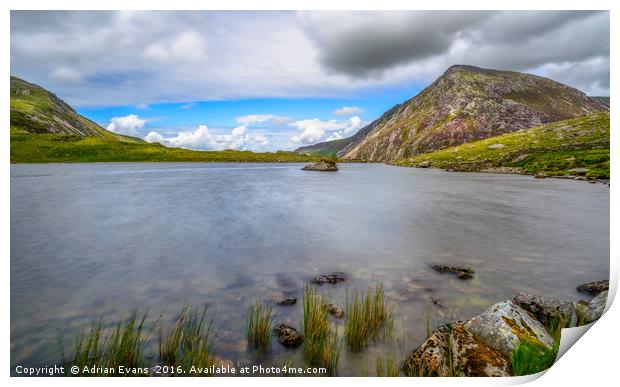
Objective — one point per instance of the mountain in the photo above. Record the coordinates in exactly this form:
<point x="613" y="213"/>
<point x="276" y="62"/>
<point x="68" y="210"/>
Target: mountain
<point x="46" y="129"/>
<point x="604" y="100"/>
<point x="464" y="104"/>
<point x="568" y="147"/>
<point x="38" y="111"/>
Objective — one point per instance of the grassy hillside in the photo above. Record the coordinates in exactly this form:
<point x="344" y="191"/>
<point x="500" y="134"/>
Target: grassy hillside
<point x="46" y="148"/>
<point x="551" y="149"/>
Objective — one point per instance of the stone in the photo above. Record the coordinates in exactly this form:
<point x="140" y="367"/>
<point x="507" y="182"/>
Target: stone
<point x="496" y="146"/>
<point x="540" y="176"/>
<point x="592" y="311"/>
<point x="287" y="301"/>
<point x="323" y="166"/>
<point x="424" y="164"/>
<point x="331" y="278"/>
<point x="335" y="310"/>
<point x="460" y="271"/>
<point x="552" y="314"/>
<point x="520" y="157"/>
<point x="505" y="325"/>
<point x="288" y="336"/>
<point x="594" y="287"/>
<point x="454" y="351"/>
<point x="579" y="171"/>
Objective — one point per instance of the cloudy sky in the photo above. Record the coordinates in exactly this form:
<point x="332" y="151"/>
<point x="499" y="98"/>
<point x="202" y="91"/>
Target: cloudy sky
<point x="278" y="80"/>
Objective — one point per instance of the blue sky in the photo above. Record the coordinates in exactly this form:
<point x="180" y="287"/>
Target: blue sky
<point x="270" y="80"/>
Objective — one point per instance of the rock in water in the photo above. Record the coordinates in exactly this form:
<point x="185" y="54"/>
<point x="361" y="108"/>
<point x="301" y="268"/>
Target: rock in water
<point x="335" y="310"/>
<point x="592" y="311"/>
<point x="288" y="336"/>
<point x="552" y="314"/>
<point x="461" y="272"/>
<point x="505" y="325"/>
<point x="594" y="287"/>
<point x="331" y="278"/>
<point x="453" y="351"/>
<point x="323" y="166"/>
<point x="287" y="301"/>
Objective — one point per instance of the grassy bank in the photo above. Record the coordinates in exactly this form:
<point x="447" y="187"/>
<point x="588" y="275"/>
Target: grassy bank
<point x="553" y="149"/>
<point x="52" y="148"/>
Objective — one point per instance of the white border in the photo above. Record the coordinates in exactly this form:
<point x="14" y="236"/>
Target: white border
<point x="591" y="361"/>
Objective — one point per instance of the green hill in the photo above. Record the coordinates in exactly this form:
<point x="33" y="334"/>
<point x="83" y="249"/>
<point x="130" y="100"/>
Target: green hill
<point x="46" y="129"/>
<point x="553" y="149"/>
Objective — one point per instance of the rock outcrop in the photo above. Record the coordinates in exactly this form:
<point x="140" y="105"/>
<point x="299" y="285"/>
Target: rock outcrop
<point x="552" y="314"/>
<point x="588" y="312"/>
<point x="505" y="325"/>
<point x="460" y="271"/>
<point x="454" y="351"/>
<point x="330" y="278"/>
<point x="321" y="166"/>
<point x="594" y="287"/>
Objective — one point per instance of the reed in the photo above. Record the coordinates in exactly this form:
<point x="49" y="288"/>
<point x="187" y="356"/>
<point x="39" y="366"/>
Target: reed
<point x="321" y="346"/>
<point x="259" y="324"/>
<point x="366" y="314"/>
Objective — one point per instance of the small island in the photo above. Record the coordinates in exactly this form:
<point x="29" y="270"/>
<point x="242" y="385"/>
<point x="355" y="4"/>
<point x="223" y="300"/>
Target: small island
<point x="322" y="166"/>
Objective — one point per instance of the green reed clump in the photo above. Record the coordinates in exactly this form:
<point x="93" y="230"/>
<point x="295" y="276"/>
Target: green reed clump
<point x="124" y="346"/>
<point x="259" y="323"/>
<point x="320" y="345"/>
<point x="189" y="341"/>
<point x="366" y="313"/>
<point x="531" y="357"/>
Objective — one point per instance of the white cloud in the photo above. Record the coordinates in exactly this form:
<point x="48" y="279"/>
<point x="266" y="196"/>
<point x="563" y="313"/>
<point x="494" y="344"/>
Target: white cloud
<point x="315" y="130"/>
<point x="188" y="46"/>
<point x="65" y="74"/>
<point x="126" y="125"/>
<point x="188" y="105"/>
<point x="348" y="111"/>
<point x="263" y="118"/>
<point x="202" y="138"/>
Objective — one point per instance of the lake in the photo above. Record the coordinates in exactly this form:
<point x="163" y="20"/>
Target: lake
<point x="91" y="241"/>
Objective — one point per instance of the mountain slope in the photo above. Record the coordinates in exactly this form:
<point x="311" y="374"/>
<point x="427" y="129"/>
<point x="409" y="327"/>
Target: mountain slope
<point x="46" y="129"/>
<point x="38" y="111"/>
<point x="552" y="149"/>
<point x="466" y="104"/>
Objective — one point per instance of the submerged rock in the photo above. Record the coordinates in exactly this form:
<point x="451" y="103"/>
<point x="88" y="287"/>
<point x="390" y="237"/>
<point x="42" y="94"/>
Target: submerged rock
<point x="288" y="336"/>
<point x="588" y="312"/>
<point x="594" y="287"/>
<point x="453" y="351"/>
<point x="287" y="301"/>
<point x="505" y="325"/>
<point x="461" y="272"/>
<point x="335" y="310"/>
<point x="552" y="314"/>
<point x="331" y="278"/>
<point x="323" y="166"/>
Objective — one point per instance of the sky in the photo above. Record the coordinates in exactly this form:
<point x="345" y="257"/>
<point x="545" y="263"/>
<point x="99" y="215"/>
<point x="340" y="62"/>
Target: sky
<point x="277" y="80"/>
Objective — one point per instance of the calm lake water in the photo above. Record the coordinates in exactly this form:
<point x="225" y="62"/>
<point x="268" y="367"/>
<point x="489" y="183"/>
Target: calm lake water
<point x="92" y="241"/>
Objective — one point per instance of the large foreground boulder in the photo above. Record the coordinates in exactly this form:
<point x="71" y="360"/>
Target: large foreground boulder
<point x="588" y="312"/>
<point x="505" y="325"/>
<point x="453" y="351"/>
<point x="322" y="166"/>
<point x="552" y="314"/>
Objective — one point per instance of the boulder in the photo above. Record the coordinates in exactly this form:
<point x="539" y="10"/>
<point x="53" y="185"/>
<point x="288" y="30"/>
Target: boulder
<point x="453" y="351"/>
<point x="496" y="146"/>
<point x="288" y="336"/>
<point x="335" y="310"/>
<point x="331" y="278"/>
<point x="323" y="166"/>
<point x="579" y="171"/>
<point x="552" y="314"/>
<point x="505" y="325"/>
<point x="287" y="301"/>
<point x="424" y="164"/>
<point x="588" y="312"/>
<point x="461" y="272"/>
<point x="594" y="287"/>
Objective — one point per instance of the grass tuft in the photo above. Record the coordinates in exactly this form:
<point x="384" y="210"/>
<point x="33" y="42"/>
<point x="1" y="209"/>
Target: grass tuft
<point x="259" y="324"/>
<point x="530" y="358"/>
<point x="320" y="346"/>
<point x="366" y="313"/>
